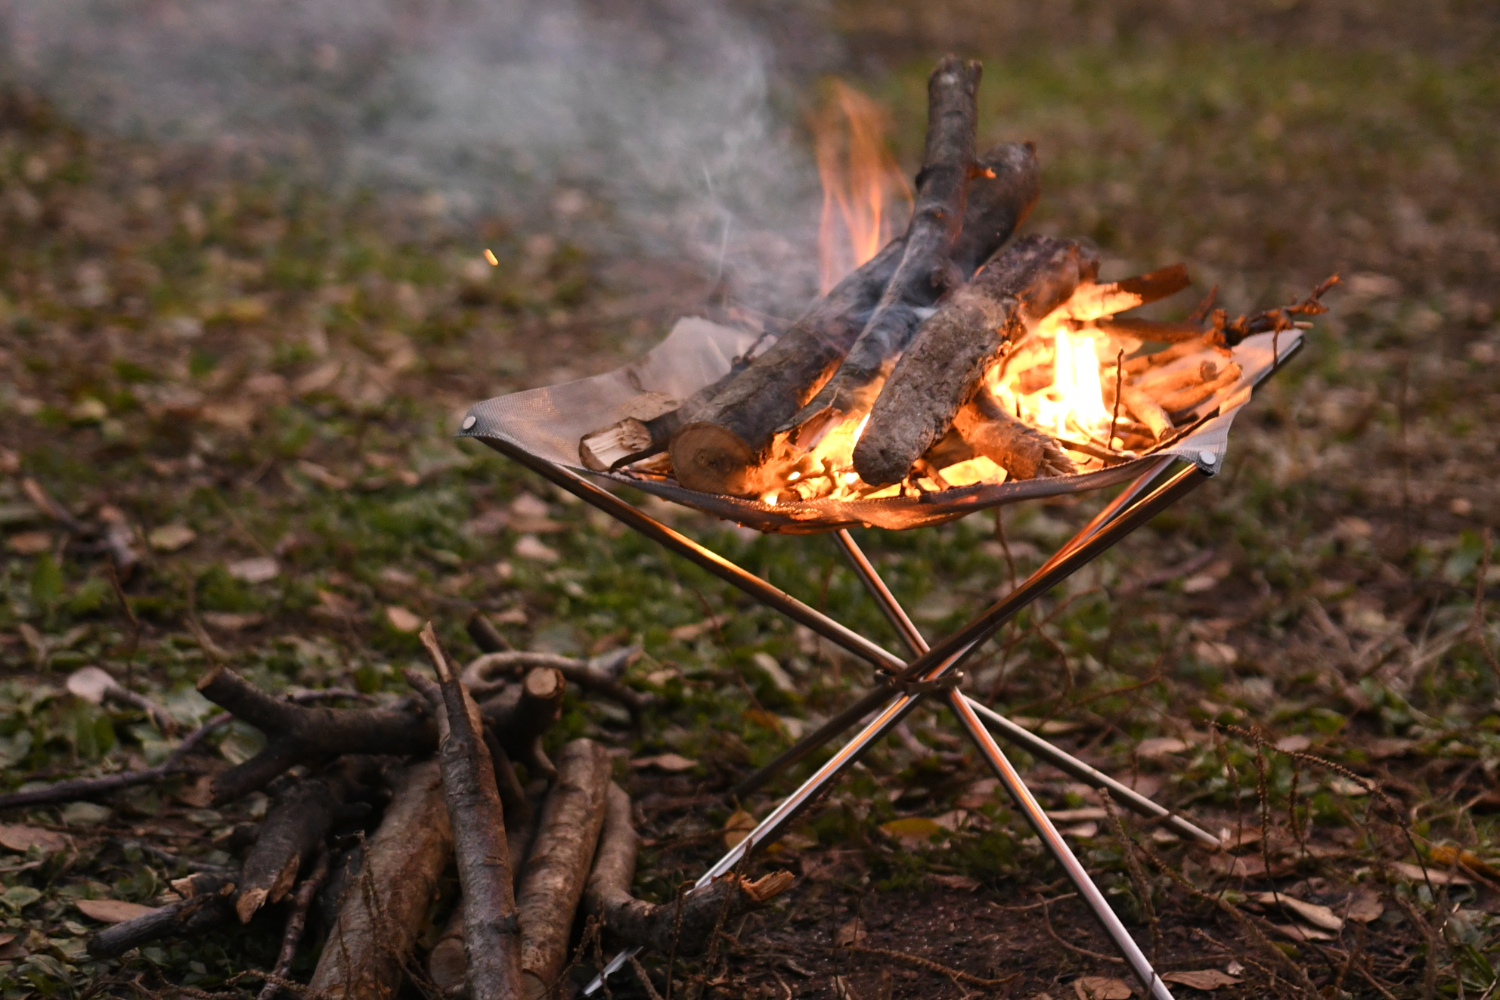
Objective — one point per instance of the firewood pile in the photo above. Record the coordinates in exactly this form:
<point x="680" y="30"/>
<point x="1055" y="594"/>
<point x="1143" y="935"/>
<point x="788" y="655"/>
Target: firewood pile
<point x="373" y="807"/>
<point x="949" y="358"/>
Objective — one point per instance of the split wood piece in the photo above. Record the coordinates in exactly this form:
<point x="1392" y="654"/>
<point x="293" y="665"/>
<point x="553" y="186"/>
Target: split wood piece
<point x="296" y="923"/>
<point x="686" y="926"/>
<point x="479" y="673"/>
<point x="1145" y="409"/>
<point x="720" y="449"/>
<point x="1149" y="330"/>
<point x="947" y="361"/>
<point x="1095" y="301"/>
<point x="295" y="828"/>
<point x="1022" y="451"/>
<point x="381" y="913"/>
<point x="926" y="270"/>
<point x="96" y="686"/>
<point x="207" y="902"/>
<point x="298" y="735"/>
<point x="567" y="833"/>
<point x="1163" y="383"/>
<point x="1213" y="341"/>
<point x="492" y="934"/>
<point x="1182" y="402"/>
<point x="75" y="789"/>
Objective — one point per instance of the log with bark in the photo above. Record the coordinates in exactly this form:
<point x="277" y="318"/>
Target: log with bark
<point x="381" y="913"/>
<point x="295" y="828"/>
<point x="926" y="270"/>
<point x="296" y="923"/>
<point x="946" y="363"/>
<point x="1021" y="450"/>
<point x="300" y="735"/>
<point x="207" y="901"/>
<point x="492" y="938"/>
<point x="567" y="833"/>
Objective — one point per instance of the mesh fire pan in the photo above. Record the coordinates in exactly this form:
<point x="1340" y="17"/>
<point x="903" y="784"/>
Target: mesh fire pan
<point x="548" y="423"/>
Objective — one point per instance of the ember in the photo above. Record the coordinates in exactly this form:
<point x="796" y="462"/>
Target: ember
<point x="946" y="359"/>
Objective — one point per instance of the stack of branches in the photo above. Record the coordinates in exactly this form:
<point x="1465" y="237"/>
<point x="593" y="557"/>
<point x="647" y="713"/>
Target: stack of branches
<point x="891" y="376"/>
<point x="373" y="806"/>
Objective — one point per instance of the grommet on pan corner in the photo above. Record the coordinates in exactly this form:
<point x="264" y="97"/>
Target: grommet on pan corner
<point x="1208" y="461"/>
<point x="471" y="420"/>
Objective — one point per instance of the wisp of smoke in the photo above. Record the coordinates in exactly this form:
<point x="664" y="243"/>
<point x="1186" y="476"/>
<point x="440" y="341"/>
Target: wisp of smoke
<point x="647" y="127"/>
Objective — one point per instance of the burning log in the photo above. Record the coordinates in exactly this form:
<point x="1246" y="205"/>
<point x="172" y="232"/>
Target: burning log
<point x="1186" y="399"/>
<point x="381" y="914"/>
<point x="688" y="925"/>
<point x="953" y="350"/>
<point x="296" y="827"/>
<point x="298" y="735"/>
<point x="492" y="939"/>
<point x="1145" y="409"/>
<point x="567" y="833"/>
<point x="1208" y="341"/>
<point x="720" y="447"/>
<point x="1023" y="452"/>
<point x="926" y="270"/>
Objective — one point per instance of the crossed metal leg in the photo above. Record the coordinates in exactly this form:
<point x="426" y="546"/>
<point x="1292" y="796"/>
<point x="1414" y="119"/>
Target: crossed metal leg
<point x="933" y="670"/>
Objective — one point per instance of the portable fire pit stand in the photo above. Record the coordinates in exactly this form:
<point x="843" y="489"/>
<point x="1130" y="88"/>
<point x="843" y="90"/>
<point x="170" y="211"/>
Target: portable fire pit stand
<point x="932" y="671"/>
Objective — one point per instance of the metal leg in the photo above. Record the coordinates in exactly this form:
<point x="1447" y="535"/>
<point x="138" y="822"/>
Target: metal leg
<point x="1077" y="874"/>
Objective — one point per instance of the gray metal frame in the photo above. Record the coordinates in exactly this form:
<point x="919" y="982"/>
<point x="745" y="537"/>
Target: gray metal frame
<point x="932" y="670"/>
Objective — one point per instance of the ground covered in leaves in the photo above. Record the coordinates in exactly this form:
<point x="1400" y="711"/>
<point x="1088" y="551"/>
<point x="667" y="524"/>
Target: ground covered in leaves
<point x="251" y="389"/>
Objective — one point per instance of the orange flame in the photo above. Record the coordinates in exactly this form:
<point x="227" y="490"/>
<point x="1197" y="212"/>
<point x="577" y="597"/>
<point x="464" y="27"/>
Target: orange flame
<point x="861" y="183"/>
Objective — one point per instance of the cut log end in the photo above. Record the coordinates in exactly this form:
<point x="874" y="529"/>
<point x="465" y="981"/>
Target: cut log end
<point x="713" y="459"/>
<point x="615" y="445"/>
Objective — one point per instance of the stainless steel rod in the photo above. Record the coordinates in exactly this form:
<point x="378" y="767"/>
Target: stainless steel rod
<point x="1077" y="874"/>
<point x="710" y="560"/>
<point x="1089" y="775"/>
<point x="1027" y="740"/>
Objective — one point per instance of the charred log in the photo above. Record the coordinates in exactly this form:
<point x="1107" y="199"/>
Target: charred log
<point x="1021" y="450"/>
<point x="946" y="363"/>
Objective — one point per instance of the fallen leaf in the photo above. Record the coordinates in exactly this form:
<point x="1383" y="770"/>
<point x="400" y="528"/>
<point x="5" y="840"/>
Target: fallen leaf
<point x="1078" y="815"/>
<point x="91" y="684"/>
<point x="111" y="911"/>
<point x="29" y="543"/>
<point x="1436" y="876"/>
<point x="23" y="838"/>
<point x="171" y="537"/>
<point x="1445" y="855"/>
<point x="912" y="831"/>
<point x="737" y="827"/>
<point x="1245" y="867"/>
<point x="1346" y="787"/>
<point x="687" y="633"/>
<point x="230" y="621"/>
<point x="1363" y="907"/>
<point x="1312" y="913"/>
<point x="1293" y="744"/>
<point x="256" y="570"/>
<point x="533" y="548"/>
<point x="1298" y="932"/>
<point x="1082" y="831"/>
<point x="322" y="475"/>
<point x="334" y="605"/>
<point x="963" y="883"/>
<point x="1204" y="979"/>
<point x="1161" y="746"/>
<point x="852" y="932"/>
<point x="670" y="762"/>
<point x="1101" y="988"/>
<point x="401" y="619"/>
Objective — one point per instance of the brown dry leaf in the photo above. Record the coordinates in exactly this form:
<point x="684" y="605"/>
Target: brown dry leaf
<point x="29" y="543"/>
<point x="230" y="621"/>
<point x="401" y="619"/>
<point x="1445" y="855"/>
<point x="91" y="684"/>
<point x="258" y="569"/>
<point x="1161" y="746"/>
<point x="1298" y="932"/>
<point x="963" y="883"/>
<point x="852" y="932"/>
<point x="1201" y="979"/>
<point x="199" y="794"/>
<point x="1416" y="873"/>
<point x="171" y="537"/>
<point x="1312" y="913"/>
<point x="1363" y="907"/>
<point x="334" y="605"/>
<point x="912" y="831"/>
<point x="737" y="827"/>
<point x="687" y="633"/>
<point x="1246" y="867"/>
<point x="1077" y="815"/>
<point x="111" y="911"/>
<point x="1102" y="988"/>
<point x="23" y="838"/>
<point x="670" y="762"/>
<point x="533" y="548"/>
